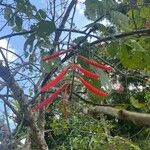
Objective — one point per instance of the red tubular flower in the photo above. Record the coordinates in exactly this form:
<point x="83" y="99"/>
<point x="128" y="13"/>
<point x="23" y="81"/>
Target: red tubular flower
<point x="64" y="102"/>
<point x="86" y="72"/>
<point x="89" y="61"/>
<point x="48" y="58"/>
<point x="50" y="99"/>
<point x="92" y="88"/>
<point x="55" y="81"/>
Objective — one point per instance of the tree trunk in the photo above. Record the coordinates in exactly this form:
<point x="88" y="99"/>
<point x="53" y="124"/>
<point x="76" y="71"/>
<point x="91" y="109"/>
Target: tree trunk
<point x="34" y="121"/>
<point x="35" y="139"/>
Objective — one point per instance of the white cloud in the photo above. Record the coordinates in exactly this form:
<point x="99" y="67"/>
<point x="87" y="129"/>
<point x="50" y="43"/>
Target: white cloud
<point x="82" y="1"/>
<point x="81" y="6"/>
<point x="23" y="141"/>
<point x="8" y="55"/>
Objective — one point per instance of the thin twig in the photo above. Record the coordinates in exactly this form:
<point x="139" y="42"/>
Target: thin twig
<point x="71" y="24"/>
<point x="6" y="115"/>
<point x="16" y="34"/>
<point x="122" y="35"/>
<point x="58" y="33"/>
<point x="10" y="106"/>
<point x="12" y="53"/>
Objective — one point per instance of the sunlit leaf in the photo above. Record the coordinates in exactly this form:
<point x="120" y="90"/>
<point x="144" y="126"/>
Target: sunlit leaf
<point x="135" y="103"/>
<point x="45" y="28"/>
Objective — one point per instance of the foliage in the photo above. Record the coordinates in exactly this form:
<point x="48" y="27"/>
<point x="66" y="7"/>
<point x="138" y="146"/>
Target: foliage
<point x="84" y="132"/>
<point x="64" y="78"/>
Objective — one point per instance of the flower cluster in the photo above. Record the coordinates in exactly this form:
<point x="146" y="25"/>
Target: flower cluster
<point x="64" y="71"/>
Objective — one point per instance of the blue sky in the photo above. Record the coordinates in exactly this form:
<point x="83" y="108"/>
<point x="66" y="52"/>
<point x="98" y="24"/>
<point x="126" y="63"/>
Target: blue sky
<point x="17" y="42"/>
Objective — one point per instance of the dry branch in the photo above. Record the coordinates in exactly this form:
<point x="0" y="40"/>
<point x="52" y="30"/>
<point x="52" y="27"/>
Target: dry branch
<point x="135" y="117"/>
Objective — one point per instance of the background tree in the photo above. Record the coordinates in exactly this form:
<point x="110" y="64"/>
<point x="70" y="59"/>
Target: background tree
<point x="116" y="36"/>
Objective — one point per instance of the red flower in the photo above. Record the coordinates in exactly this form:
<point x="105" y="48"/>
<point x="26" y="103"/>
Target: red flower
<point x="54" y="81"/>
<point x="50" y="99"/>
<point x="92" y="88"/>
<point x="86" y="72"/>
<point x="89" y="61"/>
<point x="48" y="58"/>
<point x="64" y="101"/>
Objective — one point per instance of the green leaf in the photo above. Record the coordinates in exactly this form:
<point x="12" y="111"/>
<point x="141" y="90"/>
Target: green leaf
<point x="124" y="54"/>
<point x="15" y="104"/>
<point x="145" y="12"/>
<point x="37" y="16"/>
<point x="16" y="28"/>
<point x="140" y="2"/>
<point x="11" y="22"/>
<point x="33" y="27"/>
<point x="91" y="8"/>
<point x="136" y="46"/>
<point x="96" y="8"/>
<point x="147" y="96"/>
<point x="21" y="5"/>
<point x="8" y="13"/>
<point x="42" y="13"/>
<point x="135" y="103"/>
<point x="137" y="18"/>
<point x="29" y="13"/>
<point x="26" y="54"/>
<point x="112" y="49"/>
<point x="45" y="66"/>
<point x="43" y="43"/>
<point x="18" y="21"/>
<point x="144" y="41"/>
<point x="96" y="26"/>
<point x="29" y="42"/>
<point x="45" y="28"/>
<point x="78" y="39"/>
<point x="120" y="19"/>
<point x="132" y="55"/>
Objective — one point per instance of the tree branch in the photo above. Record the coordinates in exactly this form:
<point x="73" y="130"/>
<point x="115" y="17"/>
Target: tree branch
<point x="15" y="34"/>
<point x="58" y="33"/>
<point x="18" y="93"/>
<point x="7" y="5"/>
<point x="121" y="35"/>
<point x="10" y="106"/>
<point x="135" y="117"/>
